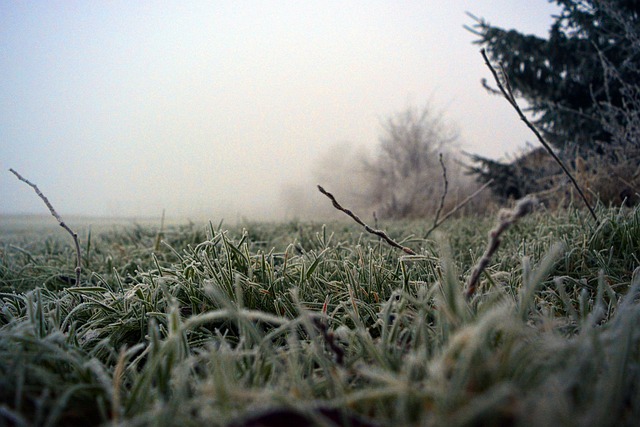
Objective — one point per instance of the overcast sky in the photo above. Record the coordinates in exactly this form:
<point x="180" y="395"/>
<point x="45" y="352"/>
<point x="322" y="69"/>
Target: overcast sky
<point x="208" y="108"/>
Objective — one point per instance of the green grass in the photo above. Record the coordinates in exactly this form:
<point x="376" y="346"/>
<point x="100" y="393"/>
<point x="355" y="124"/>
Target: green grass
<point x="325" y="324"/>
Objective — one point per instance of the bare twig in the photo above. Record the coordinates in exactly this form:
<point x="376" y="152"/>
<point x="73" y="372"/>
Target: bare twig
<point x="507" y="92"/>
<point x="488" y="88"/>
<point x="457" y="207"/>
<point x="60" y="221"/>
<point x="444" y="192"/>
<point x="160" y="234"/>
<point x="355" y="217"/>
<point x="506" y="218"/>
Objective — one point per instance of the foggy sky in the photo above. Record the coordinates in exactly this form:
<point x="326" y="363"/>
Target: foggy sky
<point x="208" y="109"/>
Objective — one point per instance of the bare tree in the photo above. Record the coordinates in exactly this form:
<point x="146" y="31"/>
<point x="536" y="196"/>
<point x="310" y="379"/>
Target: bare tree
<point x="406" y="175"/>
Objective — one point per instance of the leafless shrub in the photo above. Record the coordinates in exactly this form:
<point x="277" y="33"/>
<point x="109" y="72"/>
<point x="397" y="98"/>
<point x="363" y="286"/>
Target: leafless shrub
<point x="404" y="177"/>
<point x="406" y="169"/>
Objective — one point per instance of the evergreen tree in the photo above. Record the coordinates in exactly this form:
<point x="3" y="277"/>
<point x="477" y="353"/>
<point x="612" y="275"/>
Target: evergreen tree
<point x="563" y="78"/>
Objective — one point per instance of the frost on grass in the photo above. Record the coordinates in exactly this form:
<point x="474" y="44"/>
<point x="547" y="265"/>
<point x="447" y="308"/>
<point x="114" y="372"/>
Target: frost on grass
<point x="215" y="329"/>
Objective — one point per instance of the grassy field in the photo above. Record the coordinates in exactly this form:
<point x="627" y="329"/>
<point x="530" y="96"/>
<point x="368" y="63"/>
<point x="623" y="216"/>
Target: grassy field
<point x="323" y="324"/>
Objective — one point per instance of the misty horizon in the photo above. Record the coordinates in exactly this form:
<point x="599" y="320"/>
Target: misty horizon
<point x="227" y="109"/>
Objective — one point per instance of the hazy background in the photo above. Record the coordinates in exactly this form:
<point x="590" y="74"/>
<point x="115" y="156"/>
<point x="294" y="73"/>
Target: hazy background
<point x="213" y="109"/>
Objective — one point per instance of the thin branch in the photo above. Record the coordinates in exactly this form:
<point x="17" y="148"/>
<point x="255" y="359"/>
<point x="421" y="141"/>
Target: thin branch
<point x="458" y="207"/>
<point x="509" y="96"/>
<point x="59" y="219"/>
<point x="444" y="192"/>
<point x="488" y="88"/>
<point x="355" y="217"/>
<point x="160" y="234"/>
<point x="507" y="218"/>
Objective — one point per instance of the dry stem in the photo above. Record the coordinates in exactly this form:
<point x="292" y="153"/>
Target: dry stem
<point x="355" y="217"/>
<point x="507" y="217"/>
<point x="507" y="92"/>
<point x="60" y="221"/>
<point x="444" y="192"/>
<point x="456" y="208"/>
<point x="160" y="234"/>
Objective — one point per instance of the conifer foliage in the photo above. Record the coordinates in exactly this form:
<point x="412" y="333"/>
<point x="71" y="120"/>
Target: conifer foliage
<point x="578" y="83"/>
